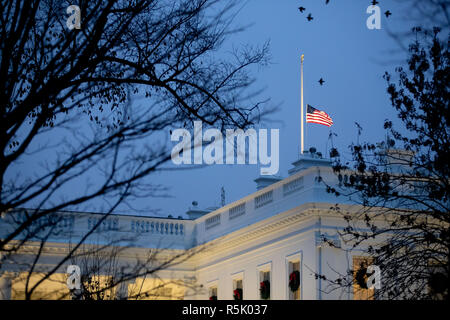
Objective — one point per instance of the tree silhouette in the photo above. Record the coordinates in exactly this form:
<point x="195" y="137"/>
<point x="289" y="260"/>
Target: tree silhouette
<point x="88" y="109"/>
<point x="403" y="183"/>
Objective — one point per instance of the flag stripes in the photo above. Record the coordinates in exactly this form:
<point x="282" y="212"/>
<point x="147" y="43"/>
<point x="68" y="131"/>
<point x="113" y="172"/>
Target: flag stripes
<point x="316" y="116"/>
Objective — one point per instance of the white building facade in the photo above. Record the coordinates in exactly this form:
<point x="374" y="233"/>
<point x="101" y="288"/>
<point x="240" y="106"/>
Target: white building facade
<point x="287" y="225"/>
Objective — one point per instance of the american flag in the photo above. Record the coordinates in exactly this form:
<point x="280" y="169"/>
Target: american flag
<point x="316" y="116"/>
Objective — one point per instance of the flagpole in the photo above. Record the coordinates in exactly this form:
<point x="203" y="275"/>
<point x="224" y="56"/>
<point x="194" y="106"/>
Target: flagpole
<point x="302" y="115"/>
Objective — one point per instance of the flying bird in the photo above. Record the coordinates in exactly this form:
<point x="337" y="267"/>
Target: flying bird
<point x="387" y="13"/>
<point x="321" y="81"/>
<point x="309" y="17"/>
<point x="301" y="9"/>
<point x="374" y="2"/>
<point x="327" y="1"/>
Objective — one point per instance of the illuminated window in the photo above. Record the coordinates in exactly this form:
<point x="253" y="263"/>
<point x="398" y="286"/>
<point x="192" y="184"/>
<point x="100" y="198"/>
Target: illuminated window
<point x="213" y="293"/>
<point x="264" y="284"/>
<point x="360" y="289"/>
<point x="238" y="289"/>
<point x="294" y="280"/>
<point x="163" y="293"/>
<point x="437" y="281"/>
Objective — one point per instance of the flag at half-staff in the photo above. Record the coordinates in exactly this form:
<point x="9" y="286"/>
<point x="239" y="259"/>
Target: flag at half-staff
<point x="314" y="115"/>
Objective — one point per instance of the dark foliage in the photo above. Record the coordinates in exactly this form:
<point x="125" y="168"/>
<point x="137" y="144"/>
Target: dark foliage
<point x="403" y="183"/>
<point x="89" y="107"/>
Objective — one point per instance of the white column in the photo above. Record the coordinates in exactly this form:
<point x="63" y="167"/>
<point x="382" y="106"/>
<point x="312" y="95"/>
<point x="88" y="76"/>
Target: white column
<point x="5" y="286"/>
<point x="122" y="290"/>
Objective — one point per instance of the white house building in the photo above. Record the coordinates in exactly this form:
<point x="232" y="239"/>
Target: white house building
<point x="287" y="225"/>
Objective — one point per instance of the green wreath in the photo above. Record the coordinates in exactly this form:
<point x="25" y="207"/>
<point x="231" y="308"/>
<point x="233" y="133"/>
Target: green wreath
<point x="294" y="281"/>
<point x="264" y="289"/>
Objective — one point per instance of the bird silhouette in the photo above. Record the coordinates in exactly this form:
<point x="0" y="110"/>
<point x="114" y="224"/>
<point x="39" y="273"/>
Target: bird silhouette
<point x="374" y="2"/>
<point x="321" y="81"/>
<point x="327" y="1"/>
<point x="309" y="17"/>
<point x="387" y="14"/>
<point x="301" y="9"/>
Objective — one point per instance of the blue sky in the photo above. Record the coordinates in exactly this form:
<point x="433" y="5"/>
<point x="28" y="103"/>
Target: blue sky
<point x="338" y="47"/>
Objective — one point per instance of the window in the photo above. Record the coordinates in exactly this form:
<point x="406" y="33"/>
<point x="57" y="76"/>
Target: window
<point x="437" y="281"/>
<point x="238" y="289"/>
<point x="163" y="293"/>
<point x="213" y="293"/>
<point x="294" y="280"/>
<point x="293" y="276"/>
<point x="264" y="284"/>
<point x="360" y="290"/>
<point x="265" y="278"/>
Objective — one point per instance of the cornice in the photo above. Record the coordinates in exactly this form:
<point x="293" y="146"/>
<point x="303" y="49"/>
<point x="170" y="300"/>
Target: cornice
<point x="268" y="228"/>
